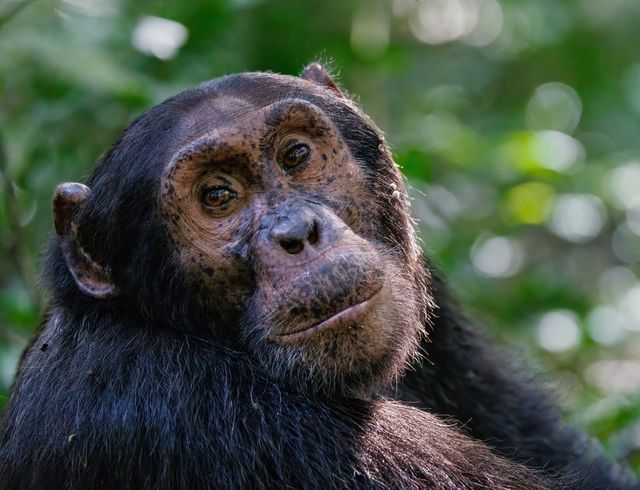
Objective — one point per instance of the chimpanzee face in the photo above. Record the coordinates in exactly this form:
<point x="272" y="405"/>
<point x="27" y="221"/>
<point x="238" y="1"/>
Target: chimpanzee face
<point x="271" y="212"/>
<point x="286" y="217"/>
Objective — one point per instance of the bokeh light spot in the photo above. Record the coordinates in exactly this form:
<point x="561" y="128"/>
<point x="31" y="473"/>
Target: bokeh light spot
<point x="624" y="184"/>
<point x="619" y="376"/>
<point x="626" y="244"/>
<point x="488" y="26"/>
<point x="630" y="307"/>
<point x="441" y="21"/>
<point x="497" y="256"/>
<point x="558" y="331"/>
<point x="557" y="151"/>
<point x="532" y="151"/>
<point x="606" y="325"/>
<point x="614" y="282"/>
<point x="159" y="37"/>
<point x="554" y="106"/>
<point x="578" y="218"/>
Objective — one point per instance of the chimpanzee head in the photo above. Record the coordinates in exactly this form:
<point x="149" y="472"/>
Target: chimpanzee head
<point x="260" y="211"/>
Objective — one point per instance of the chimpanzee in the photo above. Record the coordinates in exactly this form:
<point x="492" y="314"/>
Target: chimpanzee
<point x="232" y="293"/>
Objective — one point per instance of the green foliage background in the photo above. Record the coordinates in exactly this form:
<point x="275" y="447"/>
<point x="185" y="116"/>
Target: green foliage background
<point x="493" y="134"/>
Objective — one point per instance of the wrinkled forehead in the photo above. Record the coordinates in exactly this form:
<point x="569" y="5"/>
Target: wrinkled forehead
<point x="228" y="100"/>
<point x="231" y="125"/>
<point x="217" y="112"/>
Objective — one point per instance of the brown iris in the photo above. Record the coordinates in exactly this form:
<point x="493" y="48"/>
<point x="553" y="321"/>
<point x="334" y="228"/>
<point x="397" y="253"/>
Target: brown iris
<point x="295" y="155"/>
<point x="218" y="198"/>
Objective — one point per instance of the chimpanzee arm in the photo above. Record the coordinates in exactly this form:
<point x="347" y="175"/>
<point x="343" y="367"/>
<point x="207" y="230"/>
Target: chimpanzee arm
<point x="463" y="376"/>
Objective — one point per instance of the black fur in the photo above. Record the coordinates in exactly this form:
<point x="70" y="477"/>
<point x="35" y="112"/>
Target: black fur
<point x="119" y="404"/>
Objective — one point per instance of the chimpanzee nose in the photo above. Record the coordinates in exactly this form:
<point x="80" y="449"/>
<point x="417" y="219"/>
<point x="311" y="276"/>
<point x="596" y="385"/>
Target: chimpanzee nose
<point x="295" y="231"/>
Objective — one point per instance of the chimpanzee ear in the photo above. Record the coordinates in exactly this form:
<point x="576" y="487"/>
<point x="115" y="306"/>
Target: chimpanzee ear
<point x="92" y="279"/>
<point x="315" y="72"/>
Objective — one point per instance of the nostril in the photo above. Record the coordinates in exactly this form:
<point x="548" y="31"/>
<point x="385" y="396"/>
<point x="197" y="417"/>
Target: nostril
<point x="292" y="246"/>
<point x="314" y="235"/>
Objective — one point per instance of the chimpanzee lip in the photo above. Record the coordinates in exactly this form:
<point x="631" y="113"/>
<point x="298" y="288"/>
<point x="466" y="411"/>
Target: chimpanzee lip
<point x="344" y="318"/>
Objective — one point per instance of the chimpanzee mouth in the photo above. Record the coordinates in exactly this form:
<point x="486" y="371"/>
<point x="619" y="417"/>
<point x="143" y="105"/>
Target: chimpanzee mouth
<point x="346" y="318"/>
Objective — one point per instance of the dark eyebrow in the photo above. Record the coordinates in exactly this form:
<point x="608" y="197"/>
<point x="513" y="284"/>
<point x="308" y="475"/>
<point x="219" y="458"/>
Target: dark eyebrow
<point x="202" y="146"/>
<point x="208" y="153"/>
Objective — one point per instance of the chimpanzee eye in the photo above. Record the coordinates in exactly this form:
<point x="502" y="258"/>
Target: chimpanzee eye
<point x="295" y="155"/>
<point x="218" y="198"/>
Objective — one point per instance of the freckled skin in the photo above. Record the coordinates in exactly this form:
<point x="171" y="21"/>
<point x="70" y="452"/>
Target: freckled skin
<point x="239" y="265"/>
